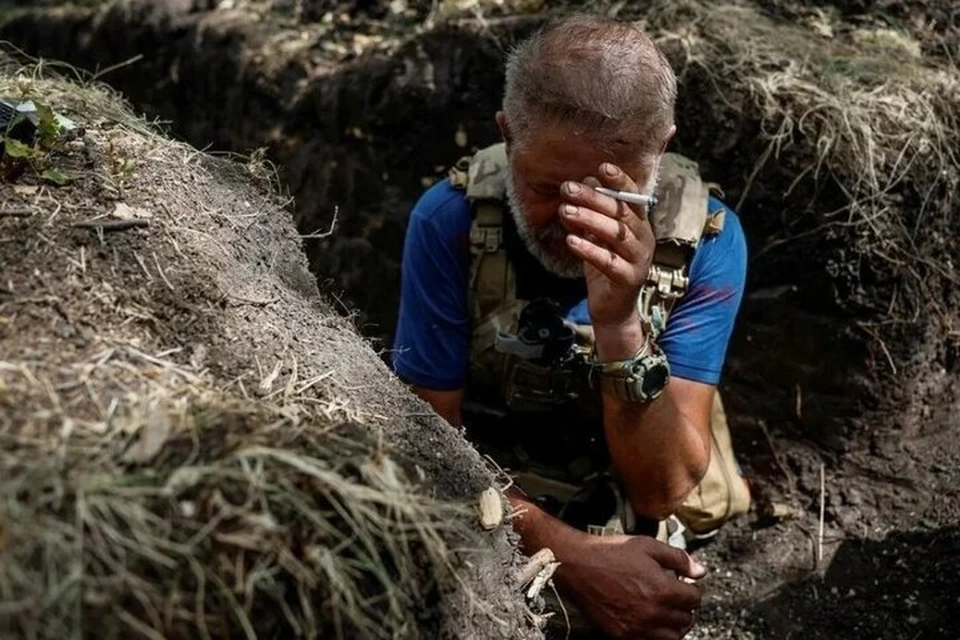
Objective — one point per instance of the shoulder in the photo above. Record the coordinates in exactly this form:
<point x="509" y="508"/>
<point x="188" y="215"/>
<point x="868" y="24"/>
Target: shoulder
<point x="726" y="250"/>
<point x="732" y="228"/>
<point x="443" y="209"/>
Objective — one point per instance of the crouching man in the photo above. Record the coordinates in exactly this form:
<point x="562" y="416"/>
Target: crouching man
<point x="568" y="295"/>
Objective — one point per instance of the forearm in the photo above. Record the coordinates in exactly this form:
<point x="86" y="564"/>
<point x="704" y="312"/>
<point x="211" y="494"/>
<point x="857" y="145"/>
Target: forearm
<point x="658" y="452"/>
<point x="539" y="530"/>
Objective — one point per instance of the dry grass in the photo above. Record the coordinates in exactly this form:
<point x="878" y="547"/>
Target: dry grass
<point x="863" y="105"/>
<point x="147" y="494"/>
<point x="136" y="490"/>
<point x="858" y="108"/>
<point x="875" y="111"/>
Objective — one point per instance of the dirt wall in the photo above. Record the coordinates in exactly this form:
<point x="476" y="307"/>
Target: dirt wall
<point x="181" y="409"/>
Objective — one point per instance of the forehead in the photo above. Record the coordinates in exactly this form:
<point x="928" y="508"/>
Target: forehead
<point x="554" y="153"/>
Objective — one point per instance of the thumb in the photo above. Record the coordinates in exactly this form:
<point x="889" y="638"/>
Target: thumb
<point x="679" y="561"/>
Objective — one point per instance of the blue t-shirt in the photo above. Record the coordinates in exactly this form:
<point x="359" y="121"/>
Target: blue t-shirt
<point x="431" y="347"/>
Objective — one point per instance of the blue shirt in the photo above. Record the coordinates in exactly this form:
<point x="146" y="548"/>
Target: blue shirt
<point x="431" y="347"/>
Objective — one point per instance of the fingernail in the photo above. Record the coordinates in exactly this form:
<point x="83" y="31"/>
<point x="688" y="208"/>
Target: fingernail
<point x="697" y="570"/>
<point x="569" y="210"/>
<point x="609" y="169"/>
<point x="574" y="240"/>
<point x="573" y="188"/>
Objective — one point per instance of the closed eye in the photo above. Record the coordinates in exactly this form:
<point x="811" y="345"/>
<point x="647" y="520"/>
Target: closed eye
<point x="545" y="189"/>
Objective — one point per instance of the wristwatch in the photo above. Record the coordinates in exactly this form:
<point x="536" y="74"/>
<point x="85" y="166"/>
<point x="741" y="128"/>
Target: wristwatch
<point x="641" y="378"/>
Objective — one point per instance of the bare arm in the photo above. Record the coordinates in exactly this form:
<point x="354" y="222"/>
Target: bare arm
<point x="446" y="403"/>
<point x="660" y="450"/>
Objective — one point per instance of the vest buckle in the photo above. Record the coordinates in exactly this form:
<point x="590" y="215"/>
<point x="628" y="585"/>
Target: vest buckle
<point x="488" y="239"/>
<point x="669" y="283"/>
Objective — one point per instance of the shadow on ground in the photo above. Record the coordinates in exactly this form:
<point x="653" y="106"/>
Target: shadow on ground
<point x="905" y="586"/>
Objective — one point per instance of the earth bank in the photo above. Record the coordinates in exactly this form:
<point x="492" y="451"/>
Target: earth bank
<point x="193" y="442"/>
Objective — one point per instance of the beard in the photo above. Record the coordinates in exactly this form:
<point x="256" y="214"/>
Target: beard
<point x="548" y="244"/>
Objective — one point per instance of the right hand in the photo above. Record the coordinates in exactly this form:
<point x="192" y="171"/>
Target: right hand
<point x="630" y="586"/>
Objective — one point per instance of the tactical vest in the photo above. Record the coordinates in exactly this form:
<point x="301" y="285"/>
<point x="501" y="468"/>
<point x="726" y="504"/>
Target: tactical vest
<point x="556" y="404"/>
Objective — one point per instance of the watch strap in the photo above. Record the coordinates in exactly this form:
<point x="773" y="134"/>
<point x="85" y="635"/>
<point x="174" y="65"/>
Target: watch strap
<point x="624" y="379"/>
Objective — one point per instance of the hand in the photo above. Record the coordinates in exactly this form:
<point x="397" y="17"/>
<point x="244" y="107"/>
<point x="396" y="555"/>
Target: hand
<point x="615" y="241"/>
<point x="630" y="586"/>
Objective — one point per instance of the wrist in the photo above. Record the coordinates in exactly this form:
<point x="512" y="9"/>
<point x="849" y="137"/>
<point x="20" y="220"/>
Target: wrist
<point x="618" y="341"/>
<point x="539" y="530"/>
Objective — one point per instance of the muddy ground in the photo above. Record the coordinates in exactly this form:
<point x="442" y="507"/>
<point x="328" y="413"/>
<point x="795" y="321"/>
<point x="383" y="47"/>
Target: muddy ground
<point x="360" y="115"/>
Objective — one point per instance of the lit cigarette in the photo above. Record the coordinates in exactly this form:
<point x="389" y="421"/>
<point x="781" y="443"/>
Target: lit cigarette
<point x="628" y="196"/>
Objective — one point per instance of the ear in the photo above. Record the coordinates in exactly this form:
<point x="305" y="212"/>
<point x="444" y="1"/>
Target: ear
<point x="504" y="129"/>
<point x="668" y="138"/>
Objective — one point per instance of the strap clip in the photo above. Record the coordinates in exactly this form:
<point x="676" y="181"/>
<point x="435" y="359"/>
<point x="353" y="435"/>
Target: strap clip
<point x="489" y="239"/>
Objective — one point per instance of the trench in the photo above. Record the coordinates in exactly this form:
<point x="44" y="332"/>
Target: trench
<point x="356" y="142"/>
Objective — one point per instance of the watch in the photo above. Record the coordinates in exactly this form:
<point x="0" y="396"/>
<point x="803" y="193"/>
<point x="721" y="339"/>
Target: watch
<point x="641" y="378"/>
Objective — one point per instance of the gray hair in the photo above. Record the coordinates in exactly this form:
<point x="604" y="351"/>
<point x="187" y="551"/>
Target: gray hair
<point x="595" y="73"/>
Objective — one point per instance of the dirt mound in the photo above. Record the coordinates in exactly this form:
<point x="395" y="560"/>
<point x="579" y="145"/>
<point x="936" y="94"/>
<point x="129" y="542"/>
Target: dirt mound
<point x="193" y="443"/>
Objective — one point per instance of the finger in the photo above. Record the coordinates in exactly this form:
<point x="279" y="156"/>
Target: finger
<point x="678" y="560"/>
<point x="592" y="182"/>
<point x="614" y="177"/>
<point x="685" y="596"/>
<point x="612" y="233"/>
<point x="606" y="261"/>
<point x="583" y="194"/>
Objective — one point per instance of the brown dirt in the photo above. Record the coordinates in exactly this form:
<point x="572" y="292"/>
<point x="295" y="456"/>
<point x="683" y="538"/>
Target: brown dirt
<point x="359" y="110"/>
<point x="212" y="294"/>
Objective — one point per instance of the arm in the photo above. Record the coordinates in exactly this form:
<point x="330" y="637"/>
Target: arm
<point x="660" y="450"/>
<point x="628" y="585"/>
<point x="447" y="404"/>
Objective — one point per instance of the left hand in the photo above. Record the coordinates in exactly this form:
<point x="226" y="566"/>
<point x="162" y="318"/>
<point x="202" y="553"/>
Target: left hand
<point x="615" y="241"/>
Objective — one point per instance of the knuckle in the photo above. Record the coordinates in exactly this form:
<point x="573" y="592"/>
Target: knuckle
<point x="611" y="260"/>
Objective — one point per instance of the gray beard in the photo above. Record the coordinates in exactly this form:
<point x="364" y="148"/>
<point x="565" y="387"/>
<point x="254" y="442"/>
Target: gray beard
<point x="547" y="244"/>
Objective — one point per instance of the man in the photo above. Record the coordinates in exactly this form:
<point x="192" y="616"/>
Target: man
<point x="517" y="321"/>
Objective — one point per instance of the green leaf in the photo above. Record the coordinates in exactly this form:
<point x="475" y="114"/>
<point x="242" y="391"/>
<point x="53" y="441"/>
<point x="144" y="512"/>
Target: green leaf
<point x="127" y="168"/>
<point x="48" y="129"/>
<point x="56" y="176"/>
<point x="16" y="149"/>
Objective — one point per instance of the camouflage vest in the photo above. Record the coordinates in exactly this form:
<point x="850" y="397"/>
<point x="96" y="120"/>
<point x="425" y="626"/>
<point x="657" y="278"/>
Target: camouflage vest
<point x="553" y="407"/>
<point x="679" y="220"/>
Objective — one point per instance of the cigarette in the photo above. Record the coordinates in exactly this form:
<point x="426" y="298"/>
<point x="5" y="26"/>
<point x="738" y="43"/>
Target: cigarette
<point x="628" y="196"/>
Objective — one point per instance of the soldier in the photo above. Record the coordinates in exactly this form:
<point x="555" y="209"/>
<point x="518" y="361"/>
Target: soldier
<point x="568" y="295"/>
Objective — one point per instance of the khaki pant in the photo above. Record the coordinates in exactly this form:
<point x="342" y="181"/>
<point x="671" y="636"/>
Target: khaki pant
<point x="722" y="494"/>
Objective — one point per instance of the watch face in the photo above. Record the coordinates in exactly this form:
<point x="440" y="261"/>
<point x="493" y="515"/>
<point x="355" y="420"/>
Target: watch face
<point x="655" y="379"/>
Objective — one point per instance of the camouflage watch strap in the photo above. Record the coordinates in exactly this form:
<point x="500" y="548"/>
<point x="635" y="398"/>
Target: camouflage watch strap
<point x="641" y="378"/>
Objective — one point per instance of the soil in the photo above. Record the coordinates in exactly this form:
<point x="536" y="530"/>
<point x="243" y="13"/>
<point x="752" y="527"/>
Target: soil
<point x="360" y="111"/>
<point x="215" y="281"/>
